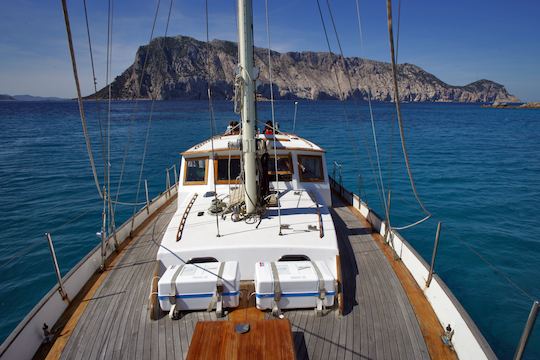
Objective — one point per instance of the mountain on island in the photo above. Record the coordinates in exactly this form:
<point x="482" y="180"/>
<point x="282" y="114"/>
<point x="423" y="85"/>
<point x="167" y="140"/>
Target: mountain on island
<point x="177" y="69"/>
<point x="4" y="97"/>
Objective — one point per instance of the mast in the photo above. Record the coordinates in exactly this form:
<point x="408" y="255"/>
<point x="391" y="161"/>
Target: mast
<point x="249" y="147"/>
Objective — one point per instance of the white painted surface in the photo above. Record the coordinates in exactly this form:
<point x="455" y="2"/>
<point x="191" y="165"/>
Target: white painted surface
<point x="249" y="242"/>
<point x="195" y="285"/>
<point x="27" y="337"/>
<point x="298" y="281"/>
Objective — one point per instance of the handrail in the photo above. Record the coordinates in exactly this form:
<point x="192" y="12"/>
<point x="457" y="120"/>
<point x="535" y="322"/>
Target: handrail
<point x="321" y="230"/>
<point x="319" y="216"/>
<point x="184" y="218"/>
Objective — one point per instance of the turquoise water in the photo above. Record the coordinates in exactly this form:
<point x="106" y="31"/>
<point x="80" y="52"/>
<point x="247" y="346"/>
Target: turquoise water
<point x="478" y="171"/>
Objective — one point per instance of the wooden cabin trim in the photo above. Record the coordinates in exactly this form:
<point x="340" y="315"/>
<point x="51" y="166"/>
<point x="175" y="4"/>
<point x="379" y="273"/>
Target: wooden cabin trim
<point x="226" y="181"/>
<point x="281" y="172"/>
<point x="301" y="176"/>
<point x="185" y="182"/>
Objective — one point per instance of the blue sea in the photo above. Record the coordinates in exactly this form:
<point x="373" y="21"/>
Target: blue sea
<point x="476" y="169"/>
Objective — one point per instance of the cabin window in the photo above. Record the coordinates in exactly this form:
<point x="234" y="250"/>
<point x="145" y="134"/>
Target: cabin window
<point x="196" y="171"/>
<point x="310" y="168"/>
<point x="227" y="170"/>
<point x="284" y="168"/>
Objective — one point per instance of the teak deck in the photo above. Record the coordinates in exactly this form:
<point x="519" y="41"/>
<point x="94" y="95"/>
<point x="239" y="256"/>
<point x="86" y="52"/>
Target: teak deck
<point x="378" y="321"/>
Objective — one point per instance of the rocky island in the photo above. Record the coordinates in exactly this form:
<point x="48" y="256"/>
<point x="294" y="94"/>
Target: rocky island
<point x="177" y="69"/>
<point x="505" y="105"/>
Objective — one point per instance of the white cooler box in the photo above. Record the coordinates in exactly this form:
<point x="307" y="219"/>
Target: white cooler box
<point x="301" y="285"/>
<point x="194" y="286"/>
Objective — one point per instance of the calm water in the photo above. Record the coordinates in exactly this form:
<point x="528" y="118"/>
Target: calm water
<point x="478" y="171"/>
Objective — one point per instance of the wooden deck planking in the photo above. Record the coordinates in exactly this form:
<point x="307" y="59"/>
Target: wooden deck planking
<point x="378" y="320"/>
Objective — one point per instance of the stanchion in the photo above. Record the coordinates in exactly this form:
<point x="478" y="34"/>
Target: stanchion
<point x="527" y="330"/>
<point x="435" y="246"/>
<point x="56" y="268"/>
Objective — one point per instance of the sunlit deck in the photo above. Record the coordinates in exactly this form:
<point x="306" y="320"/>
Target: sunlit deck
<point x="378" y="321"/>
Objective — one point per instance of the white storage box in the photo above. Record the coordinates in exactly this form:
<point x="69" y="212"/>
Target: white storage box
<point x="195" y="285"/>
<point x="299" y="283"/>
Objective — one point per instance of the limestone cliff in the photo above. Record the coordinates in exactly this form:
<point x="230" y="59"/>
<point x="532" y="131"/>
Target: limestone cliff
<point x="177" y="69"/>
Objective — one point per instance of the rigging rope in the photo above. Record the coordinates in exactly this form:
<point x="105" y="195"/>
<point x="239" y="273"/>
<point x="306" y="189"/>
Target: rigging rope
<point x="398" y="108"/>
<point x="95" y="87"/>
<point x="138" y="87"/>
<point x="211" y="108"/>
<point x="392" y="120"/>
<point x="386" y="205"/>
<point x="79" y="98"/>
<point x="107" y="191"/>
<point x="368" y="152"/>
<point x="153" y="100"/>
<point x="273" y="111"/>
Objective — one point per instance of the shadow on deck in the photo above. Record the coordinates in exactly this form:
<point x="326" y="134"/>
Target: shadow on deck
<point x="378" y="321"/>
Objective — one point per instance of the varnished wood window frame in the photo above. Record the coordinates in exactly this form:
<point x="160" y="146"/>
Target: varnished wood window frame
<point x="205" y="181"/>
<point x="272" y="174"/>
<point x="226" y="181"/>
<point x="300" y="174"/>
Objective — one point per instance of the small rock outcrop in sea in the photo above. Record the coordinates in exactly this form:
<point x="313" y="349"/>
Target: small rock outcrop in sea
<point x="177" y="69"/>
<point x="503" y="105"/>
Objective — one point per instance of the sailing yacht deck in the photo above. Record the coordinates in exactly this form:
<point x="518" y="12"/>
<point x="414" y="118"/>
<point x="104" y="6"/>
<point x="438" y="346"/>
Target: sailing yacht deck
<point x="308" y="229"/>
<point x="378" y="321"/>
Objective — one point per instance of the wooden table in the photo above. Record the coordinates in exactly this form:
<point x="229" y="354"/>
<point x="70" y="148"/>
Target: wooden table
<point x="266" y="339"/>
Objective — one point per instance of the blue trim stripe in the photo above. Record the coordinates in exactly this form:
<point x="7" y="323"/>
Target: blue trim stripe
<point x="304" y="294"/>
<point x="196" y="296"/>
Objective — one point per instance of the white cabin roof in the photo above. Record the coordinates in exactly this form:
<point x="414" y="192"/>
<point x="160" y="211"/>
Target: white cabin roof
<point x="246" y="243"/>
<point x="284" y="142"/>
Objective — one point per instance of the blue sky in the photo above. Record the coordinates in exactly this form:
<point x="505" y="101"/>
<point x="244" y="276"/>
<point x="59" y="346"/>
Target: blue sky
<point x="458" y="41"/>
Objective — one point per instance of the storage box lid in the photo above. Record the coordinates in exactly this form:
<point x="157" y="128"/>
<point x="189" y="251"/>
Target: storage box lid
<point x="294" y="277"/>
<point x="199" y="278"/>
